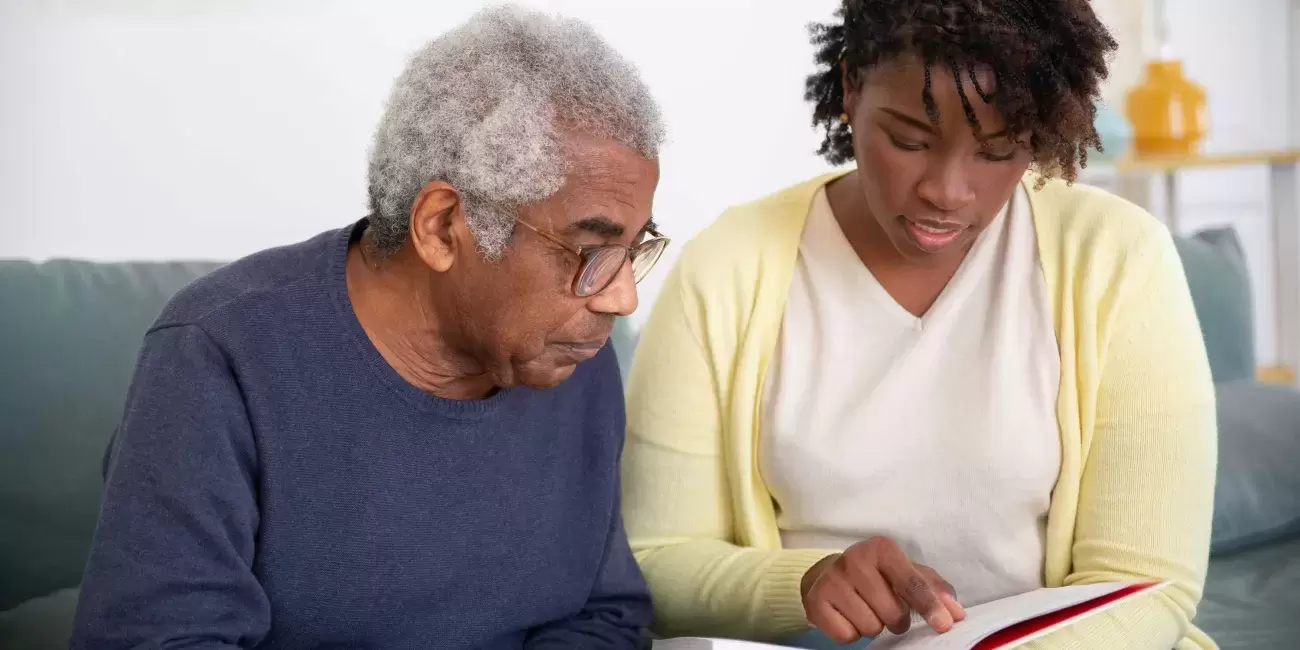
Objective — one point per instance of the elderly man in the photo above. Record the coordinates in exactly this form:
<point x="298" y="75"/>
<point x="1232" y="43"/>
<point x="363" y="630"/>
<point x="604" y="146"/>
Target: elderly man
<point x="405" y="433"/>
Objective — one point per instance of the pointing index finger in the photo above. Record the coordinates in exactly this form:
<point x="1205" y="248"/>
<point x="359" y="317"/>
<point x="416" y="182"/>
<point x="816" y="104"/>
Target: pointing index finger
<point x="914" y="589"/>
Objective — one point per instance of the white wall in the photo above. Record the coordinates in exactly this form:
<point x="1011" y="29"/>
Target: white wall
<point x="1239" y="52"/>
<point x="1293" y="58"/>
<point x="1127" y="20"/>
<point x="144" y="131"/>
<point x="149" y="129"/>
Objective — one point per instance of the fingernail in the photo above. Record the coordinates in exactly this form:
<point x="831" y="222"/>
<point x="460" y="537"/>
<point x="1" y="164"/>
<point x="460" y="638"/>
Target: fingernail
<point x="940" y="621"/>
<point x="956" y="606"/>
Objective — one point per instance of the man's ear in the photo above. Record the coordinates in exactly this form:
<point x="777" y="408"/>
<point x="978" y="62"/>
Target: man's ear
<point x="433" y="218"/>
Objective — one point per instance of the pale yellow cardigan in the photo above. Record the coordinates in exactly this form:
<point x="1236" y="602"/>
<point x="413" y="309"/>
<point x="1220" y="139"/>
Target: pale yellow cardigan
<point x="1135" y="409"/>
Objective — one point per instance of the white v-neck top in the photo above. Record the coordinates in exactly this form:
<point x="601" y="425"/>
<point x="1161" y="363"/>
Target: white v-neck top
<point x="940" y="431"/>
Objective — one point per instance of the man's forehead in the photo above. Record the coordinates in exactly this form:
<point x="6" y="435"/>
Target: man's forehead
<point x="608" y="188"/>
<point x="601" y="172"/>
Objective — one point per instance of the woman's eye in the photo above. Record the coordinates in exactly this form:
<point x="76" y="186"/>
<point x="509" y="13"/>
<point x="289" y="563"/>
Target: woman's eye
<point x="997" y="157"/>
<point x="906" y="146"/>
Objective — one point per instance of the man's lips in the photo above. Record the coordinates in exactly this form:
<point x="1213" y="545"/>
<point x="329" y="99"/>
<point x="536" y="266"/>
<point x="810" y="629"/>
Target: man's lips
<point x="579" y="349"/>
<point x="580" y="345"/>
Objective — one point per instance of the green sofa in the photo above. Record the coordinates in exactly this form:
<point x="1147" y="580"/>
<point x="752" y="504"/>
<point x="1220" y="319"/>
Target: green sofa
<point x="70" y="332"/>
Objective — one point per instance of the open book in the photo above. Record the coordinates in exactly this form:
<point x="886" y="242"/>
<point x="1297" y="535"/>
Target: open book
<point x="997" y="625"/>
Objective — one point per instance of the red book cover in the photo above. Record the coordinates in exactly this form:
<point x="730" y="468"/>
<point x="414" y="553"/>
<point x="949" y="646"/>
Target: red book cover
<point x="1032" y="628"/>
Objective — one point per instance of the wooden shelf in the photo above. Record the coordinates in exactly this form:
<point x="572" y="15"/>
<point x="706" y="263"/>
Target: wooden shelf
<point x="1131" y="163"/>
<point x="1275" y="375"/>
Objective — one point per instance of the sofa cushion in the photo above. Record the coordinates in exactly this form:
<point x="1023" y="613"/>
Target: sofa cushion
<point x="624" y="338"/>
<point x="1257" y="494"/>
<point x="1215" y="265"/>
<point x="69" y="335"/>
<point x="41" y="623"/>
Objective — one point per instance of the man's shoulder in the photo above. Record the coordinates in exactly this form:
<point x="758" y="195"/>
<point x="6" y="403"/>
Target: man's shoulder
<point x="246" y="284"/>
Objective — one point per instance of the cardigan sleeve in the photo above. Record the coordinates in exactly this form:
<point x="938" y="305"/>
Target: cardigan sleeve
<point x="1147" y="491"/>
<point x="677" y="502"/>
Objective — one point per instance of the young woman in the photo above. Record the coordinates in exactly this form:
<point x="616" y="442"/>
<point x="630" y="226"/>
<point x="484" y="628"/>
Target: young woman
<point x="941" y="378"/>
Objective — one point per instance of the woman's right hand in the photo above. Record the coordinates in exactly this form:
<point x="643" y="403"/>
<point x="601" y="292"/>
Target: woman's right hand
<point x="871" y="587"/>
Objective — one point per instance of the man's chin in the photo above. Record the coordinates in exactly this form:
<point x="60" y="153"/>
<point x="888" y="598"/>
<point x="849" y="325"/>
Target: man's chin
<point x="544" y="378"/>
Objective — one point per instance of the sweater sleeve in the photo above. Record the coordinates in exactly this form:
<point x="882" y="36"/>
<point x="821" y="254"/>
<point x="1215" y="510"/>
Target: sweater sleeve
<point x="675" y="487"/>
<point x="1147" y="491"/>
<point x="617" y="610"/>
<point x="171" y="561"/>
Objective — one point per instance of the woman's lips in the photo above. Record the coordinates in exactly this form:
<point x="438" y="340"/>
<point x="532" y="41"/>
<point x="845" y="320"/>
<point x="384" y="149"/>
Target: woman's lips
<point x="932" y="236"/>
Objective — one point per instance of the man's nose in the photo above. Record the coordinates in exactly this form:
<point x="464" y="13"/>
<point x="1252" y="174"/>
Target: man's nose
<point x="619" y="298"/>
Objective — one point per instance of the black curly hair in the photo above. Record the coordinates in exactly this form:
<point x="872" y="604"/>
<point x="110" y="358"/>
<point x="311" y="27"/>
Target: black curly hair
<point x="1049" y="59"/>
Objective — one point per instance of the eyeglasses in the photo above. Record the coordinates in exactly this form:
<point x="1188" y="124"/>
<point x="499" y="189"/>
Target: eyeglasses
<point x="601" y="264"/>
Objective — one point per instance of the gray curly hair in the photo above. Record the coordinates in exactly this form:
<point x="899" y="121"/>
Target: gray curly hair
<point x="480" y="108"/>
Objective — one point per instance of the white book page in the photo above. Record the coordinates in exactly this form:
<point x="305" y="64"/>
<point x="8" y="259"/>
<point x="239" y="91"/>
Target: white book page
<point x="696" y="643"/>
<point x="983" y="620"/>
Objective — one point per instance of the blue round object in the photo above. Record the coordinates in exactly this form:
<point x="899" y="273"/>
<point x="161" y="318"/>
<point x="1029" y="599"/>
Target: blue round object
<point x="1115" y="133"/>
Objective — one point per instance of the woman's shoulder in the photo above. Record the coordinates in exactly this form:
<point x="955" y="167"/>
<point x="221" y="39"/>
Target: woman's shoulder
<point x="758" y="217"/>
<point x="747" y="232"/>
<point x="1095" y="228"/>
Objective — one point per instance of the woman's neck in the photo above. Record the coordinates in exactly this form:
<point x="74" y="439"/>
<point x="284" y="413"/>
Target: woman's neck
<point x="914" y="285"/>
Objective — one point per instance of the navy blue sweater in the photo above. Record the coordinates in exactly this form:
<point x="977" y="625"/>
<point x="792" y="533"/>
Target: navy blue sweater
<point x="276" y="483"/>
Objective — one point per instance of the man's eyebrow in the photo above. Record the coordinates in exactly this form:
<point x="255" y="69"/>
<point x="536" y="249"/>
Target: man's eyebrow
<point x="603" y="226"/>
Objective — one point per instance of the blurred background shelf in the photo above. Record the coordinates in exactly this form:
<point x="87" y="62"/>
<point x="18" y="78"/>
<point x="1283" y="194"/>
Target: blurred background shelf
<point x="1130" y="164"/>
<point x="1282" y="375"/>
<point x="1133" y="177"/>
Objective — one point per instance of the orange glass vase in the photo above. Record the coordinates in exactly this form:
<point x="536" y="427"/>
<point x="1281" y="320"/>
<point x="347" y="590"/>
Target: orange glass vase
<point x="1167" y="111"/>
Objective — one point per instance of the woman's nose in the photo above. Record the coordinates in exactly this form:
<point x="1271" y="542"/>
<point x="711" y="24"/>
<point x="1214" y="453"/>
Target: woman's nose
<point x="948" y="188"/>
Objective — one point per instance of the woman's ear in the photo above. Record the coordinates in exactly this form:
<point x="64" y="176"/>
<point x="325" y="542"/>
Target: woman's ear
<point x="850" y="83"/>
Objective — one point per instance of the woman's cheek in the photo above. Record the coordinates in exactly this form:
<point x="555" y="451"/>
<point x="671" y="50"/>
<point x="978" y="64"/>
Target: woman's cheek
<point x="886" y="172"/>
